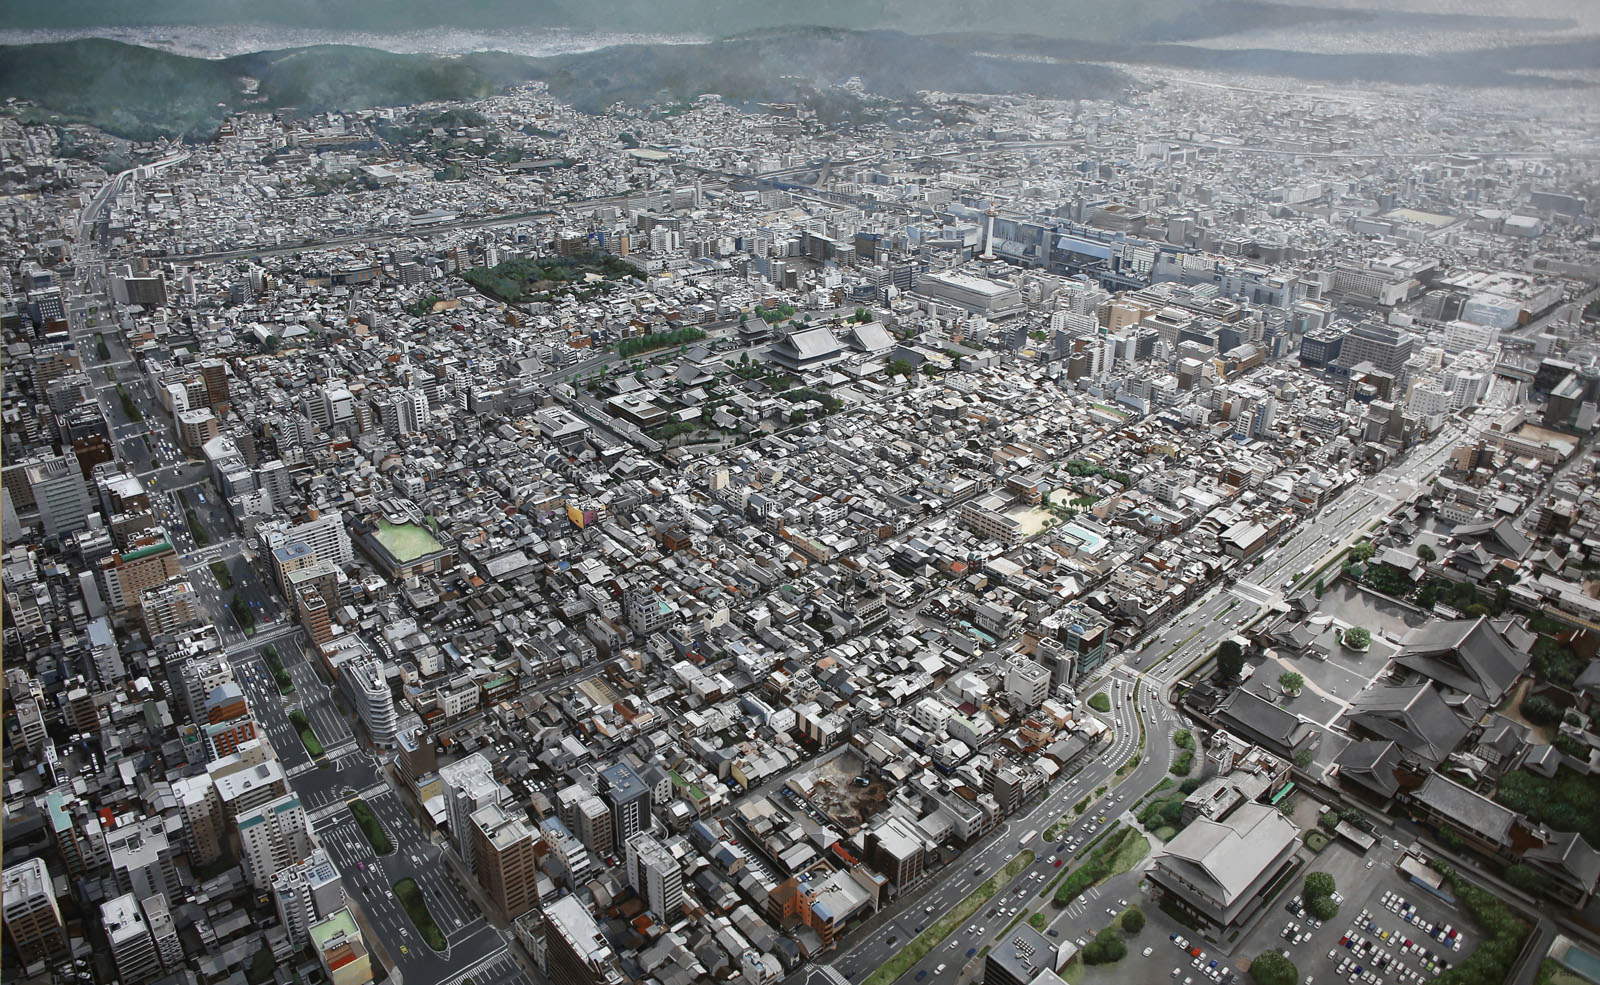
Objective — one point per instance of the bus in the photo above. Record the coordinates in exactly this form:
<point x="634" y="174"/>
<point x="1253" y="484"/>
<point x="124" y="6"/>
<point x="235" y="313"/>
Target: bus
<point x="1027" y="836"/>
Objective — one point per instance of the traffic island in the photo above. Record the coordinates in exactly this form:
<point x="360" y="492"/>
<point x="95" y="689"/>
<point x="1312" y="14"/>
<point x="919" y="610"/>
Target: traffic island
<point x="410" y="896"/>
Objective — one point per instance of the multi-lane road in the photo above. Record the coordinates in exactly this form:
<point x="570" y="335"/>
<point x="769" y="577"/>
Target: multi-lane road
<point x="1168" y="653"/>
<point x="886" y="934"/>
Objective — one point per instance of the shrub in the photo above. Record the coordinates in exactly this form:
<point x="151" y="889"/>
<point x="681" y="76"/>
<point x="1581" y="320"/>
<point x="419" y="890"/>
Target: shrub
<point x="1132" y="920"/>
<point x="1316" y="840"/>
<point x="1100" y="702"/>
<point x="1190" y="785"/>
<point x="1329" y="820"/>
<point x="1182" y="763"/>
<point x="1272" y="968"/>
<point x="1291" y="681"/>
<point x="1183" y="739"/>
<point x="1357" y="638"/>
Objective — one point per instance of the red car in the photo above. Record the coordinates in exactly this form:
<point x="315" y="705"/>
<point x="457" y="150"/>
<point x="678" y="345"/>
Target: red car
<point x="1058" y="863"/>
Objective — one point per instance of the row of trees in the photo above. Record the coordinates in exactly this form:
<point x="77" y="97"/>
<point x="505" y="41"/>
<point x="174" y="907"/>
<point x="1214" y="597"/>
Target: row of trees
<point x="658" y="340"/>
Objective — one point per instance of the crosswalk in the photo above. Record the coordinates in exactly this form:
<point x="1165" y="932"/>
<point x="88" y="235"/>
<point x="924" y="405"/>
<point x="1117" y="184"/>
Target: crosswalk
<point x="827" y="975"/>
<point x="497" y="966"/>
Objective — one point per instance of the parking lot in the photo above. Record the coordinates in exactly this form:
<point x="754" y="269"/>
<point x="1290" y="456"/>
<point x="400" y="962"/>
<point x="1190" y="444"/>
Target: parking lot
<point x="1375" y="942"/>
<point x="1387" y="940"/>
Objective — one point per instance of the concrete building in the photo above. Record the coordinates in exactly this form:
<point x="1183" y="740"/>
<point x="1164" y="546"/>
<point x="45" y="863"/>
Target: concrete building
<point x="629" y="799"/>
<point x="341" y="950"/>
<point x="133" y="949"/>
<point x="273" y="836"/>
<point x="32" y="917"/>
<point x="306" y="892"/>
<point x="656" y="875"/>
<point x="1025" y="956"/>
<point x="588" y="818"/>
<point x="169" y="947"/>
<point x="469" y="786"/>
<point x="1027" y="683"/>
<point x="504" y="859"/>
<point x="575" y="951"/>
<point x="898" y="851"/>
<point x="61" y="495"/>
<point x="364" y="681"/>
<point x="127" y="576"/>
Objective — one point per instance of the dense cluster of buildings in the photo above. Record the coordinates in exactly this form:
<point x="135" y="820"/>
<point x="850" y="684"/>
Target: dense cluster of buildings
<point x="707" y="608"/>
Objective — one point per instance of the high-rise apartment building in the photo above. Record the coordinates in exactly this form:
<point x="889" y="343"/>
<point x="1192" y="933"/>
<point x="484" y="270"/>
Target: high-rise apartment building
<point x="656" y="875"/>
<point x="629" y="799"/>
<point x="306" y="892"/>
<point x="32" y="918"/>
<point x="575" y="951"/>
<point x="158" y="918"/>
<point x="469" y="786"/>
<point x="133" y="949"/>
<point x="273" y="836"/>
<point x="505" y="861"/>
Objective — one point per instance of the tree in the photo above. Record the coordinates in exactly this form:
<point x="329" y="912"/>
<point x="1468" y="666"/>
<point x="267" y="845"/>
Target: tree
<point x="1523" y="877"/>
<point x="1106" y="948"/>
<point x="1132" y="920"/>
<point x="1323" y="908"/>
<point x="1363" y="551"/>
<point x="1321" y="588"/>
<point x="1230" y="660"/>
<point x="1426" y="553"/>
<point x="1272" y="968"/>
<point x="1319" y="884"/>
<point x="1291" y="681"/>
<point x="1357" y="638"/>
<point x="1540" y="711"/>
<point x="271" y="344"/>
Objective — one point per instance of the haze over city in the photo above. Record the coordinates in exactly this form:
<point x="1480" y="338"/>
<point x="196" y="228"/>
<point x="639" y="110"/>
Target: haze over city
<point x="842" y="493"/>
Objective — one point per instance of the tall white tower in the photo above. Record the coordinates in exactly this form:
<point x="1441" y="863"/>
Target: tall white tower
<point x="988" y="238"/>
